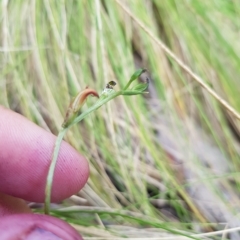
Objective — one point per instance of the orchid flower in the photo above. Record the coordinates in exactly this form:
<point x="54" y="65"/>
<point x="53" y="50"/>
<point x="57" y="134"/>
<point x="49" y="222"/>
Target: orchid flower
<point x="74" y="116"/>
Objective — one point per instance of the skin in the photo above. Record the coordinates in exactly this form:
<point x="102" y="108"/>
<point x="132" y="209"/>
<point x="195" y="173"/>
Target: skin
<point x="25" y="154"/>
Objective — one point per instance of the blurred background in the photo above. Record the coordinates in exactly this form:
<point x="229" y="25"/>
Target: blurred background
<point x="164" y="165"/>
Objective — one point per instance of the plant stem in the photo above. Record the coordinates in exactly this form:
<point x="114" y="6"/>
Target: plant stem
<point x="127" y="86"/>
<point x="50" y="175"/>
<point x="98" y="104"/>
<point x="57" y="145"/>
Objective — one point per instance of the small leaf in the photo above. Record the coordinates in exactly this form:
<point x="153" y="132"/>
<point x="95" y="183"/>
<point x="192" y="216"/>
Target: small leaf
<point x="131" y="92"/>
<point x="137" y="74"/>
<point x="134" y="76"/>
<point x="141" y="86"/>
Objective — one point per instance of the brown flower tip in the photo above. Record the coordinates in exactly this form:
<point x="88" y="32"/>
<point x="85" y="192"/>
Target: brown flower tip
<point x="80" y="99"/>
<point x="77" y="103"/>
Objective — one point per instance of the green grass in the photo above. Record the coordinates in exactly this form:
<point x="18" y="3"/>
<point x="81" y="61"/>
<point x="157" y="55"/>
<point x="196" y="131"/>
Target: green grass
<point x="147" y="154"/>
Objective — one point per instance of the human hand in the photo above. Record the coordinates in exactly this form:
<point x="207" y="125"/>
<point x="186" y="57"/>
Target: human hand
<point x="25" y="154"/>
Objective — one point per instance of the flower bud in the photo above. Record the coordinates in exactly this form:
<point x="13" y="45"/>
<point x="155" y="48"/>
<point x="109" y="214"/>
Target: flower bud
<point x="76" y="104"/>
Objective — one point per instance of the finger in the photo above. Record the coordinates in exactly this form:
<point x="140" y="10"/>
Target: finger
<point x="36" y="226"/>
<point x="11" y="205"/>
<point x="25" y="155"/>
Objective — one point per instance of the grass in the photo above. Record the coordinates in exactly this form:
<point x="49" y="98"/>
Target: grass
<point x="161" y="164"/>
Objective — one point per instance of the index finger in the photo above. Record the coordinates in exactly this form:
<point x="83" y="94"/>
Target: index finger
<point x="25" y="156"/>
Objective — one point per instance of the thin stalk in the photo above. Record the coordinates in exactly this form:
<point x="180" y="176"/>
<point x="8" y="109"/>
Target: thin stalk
<point x="100" y="102"/>
<point x="48" y="188"/>
<point x="104" y="98"/>
<point x="57" y="145"/>
<point x="97" y="105"/>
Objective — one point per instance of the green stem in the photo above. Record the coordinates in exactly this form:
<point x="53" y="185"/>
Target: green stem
<point x="57" y="145"/>
<point x="127" y="86"/>
<point x="98" y="104"/>
<point x="50" y="175"/>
